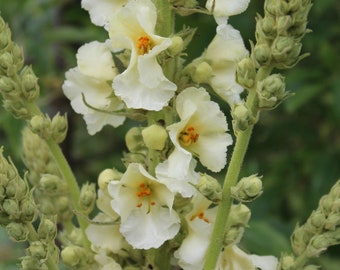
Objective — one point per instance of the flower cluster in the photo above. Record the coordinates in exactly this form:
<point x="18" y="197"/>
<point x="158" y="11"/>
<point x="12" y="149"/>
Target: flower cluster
<point x="158" y="201"/>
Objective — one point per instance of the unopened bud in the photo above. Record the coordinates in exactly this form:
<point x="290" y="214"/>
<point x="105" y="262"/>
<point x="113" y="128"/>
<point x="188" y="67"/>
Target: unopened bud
<point x="262" y="54"/>
<point x="71" y="256"/>
<point x="37" y="250"/>
<point x="11" y="207"/>
<point x="30" y="263"/>
<point x="246" y="73"/>
<point x="317" y="219"/>
<point x="242" y="117"/>
<point x="285" y="51"/>
<point x="176" y="46"/>
<point x="155" y="137"/>
<point x="59" y="127"/>
<point x="239" y="215"/>
<point x="247" y="189"/>
<point x="28" y="210"/>
<point x="210" y="188"/>
<point x="40" y="125"/>
<point x="106" y="176"/>
<point x="134" y="139"/>
<point x="49" y="183"/>
<point x="271" y="91"/>
<point x="47" y="228"/>
<point x="17" y="231"/>
<point x="318" y="244"/>
<point x="287" y="262"/>
<point x="233" y="236"/>
<point x="29" y="82"/>
<point x="202" y="73"/>
<point x="87" y="198"/>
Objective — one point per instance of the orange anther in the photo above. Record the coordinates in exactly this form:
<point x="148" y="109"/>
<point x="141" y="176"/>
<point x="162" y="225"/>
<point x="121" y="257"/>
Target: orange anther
<point x="144" y="44"/>
<point x="188" y="136"/>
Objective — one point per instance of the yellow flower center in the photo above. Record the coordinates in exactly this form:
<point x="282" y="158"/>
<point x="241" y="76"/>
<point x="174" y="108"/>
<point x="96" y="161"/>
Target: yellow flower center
<point x="144" y="191"/>
<point x="144" y="44"/>
<point x="188" y="136"/>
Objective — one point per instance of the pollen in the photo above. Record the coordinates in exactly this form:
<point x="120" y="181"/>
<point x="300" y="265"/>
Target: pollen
<point x="188" y="136"/>
<point x="201" y="216"/>
<point x="144" y="44"/>
<point x="144" y="190"/>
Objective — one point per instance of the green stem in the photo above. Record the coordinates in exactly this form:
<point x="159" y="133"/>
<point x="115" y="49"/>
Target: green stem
<point x="71" y="183"/>
<point x="230" y="180"/>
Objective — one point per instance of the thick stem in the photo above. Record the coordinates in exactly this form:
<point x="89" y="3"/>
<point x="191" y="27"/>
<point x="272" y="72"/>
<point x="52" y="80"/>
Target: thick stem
<point x="230" y="180"/>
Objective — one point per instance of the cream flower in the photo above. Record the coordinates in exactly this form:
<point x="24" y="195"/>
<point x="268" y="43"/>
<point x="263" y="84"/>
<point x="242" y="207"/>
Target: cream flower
<point x="201" y="131"/>
<point x="145" y="207"/>
<point x="223" y="63"/>
<point x="142" y="85"/>
<point x="200" y="220"/>
<point x="101" y="11"/>
<point x="222" y="9"/>
<point x="89" y="82"/>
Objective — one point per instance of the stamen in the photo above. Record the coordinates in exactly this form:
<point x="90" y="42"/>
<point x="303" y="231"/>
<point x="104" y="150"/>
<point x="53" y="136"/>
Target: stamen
<point x="200" y="215"/>
<point x="144" y="44"/>
<point x="188" y="136"/>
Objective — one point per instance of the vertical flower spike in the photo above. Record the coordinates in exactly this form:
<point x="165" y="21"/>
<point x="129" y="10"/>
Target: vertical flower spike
<point x="201" y="131"/>
<point x="142" y="85"/>
<point x="145" y="207"/>
<point x="88" y="83"/>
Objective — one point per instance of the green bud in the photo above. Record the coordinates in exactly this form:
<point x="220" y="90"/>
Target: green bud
<point x="233" y="236"/>
<point x="30" y="263"/>
<point x="6" y="61"/>
<point x="271" y="91"/>
<point x="17" y="108"/>
<point x="176" y="46"/>
<point x="286" y="262"/>
<point x="155" y="137"/>
<point x="87" y="198"/>
<point x="37" y="250"/>
<point x="239" y="215"/>
<point x="318" y="244"/>
<point x="133" y="158"/>
<point x="326" y="202"/>
<point x="106" y="176"/>
<point x="202" y="73"/>
<point x="47" y="228"/>
<point x="246" y="73"/>
<point x="76" y="237"/>
<point x="9" y="88"/>
<point x="5" y="37"/>
<point x="11" y="207"/>
<point x="242" y="117"/>
<point x="265" y="28"/>
<point x="18" y="57"/>
<point x="59" y="127"/>
<point x="285" y="51"/>
<point x="317" y="219"/>
<point x="2" y="193"/>
<point x="71" y="256"/>
<point x="49" y="183"/>
<point x="262" y="54"/>
<point x="29" y="82"/>
<point x="210" y="188"/>
<point x="134" y="139"/>
<point x="17" y="231"/>
<point x="332" y="221"/>
<point x="283" y="23"/>
<point x="28" y="210"/>
<point x="41" y="126"/>
<point x="247" y="189"/>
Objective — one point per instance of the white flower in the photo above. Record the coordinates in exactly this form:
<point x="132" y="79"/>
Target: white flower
<point x="142" y="85"/>
<point x="106" y="262"/>
<point x="200" y="220"/>
<point x="224" y="61"/>
<point x="233" y="258"/>
<point x="89" y="82"/>
<point x="101" y="11"/>
<point x="223" y="9"/>
<point x="145" y="207"/>
<point x="201" y="131"/>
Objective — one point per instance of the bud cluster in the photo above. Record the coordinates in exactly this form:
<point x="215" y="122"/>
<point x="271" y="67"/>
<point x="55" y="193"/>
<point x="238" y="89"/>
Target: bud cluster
<point x="321" y="230"/>
<point x="18" y="85"/>
<point x="279" y="33"/>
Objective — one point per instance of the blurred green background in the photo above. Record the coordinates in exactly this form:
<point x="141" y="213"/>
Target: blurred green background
<point x="296" y="147"/>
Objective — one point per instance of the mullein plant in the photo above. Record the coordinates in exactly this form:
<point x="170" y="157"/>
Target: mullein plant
<point x="161" y="212"/>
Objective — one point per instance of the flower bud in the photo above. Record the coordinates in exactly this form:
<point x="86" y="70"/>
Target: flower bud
<point x="28" y="210"/>
<point x="17" y="108"/>
<point x="247" y="189"/>
<point x="286" y="262"/>
<point x="11" y="207"/>
<point x="233" y="236"/>
<point x="29" y="83"/>
<point x="262" y="54"/>
<point x="6" y="61"/>
<point x="47" y="229"/>
<point x="285" y="51"/>
<point x="283" y="23"/>
<point x="155" y="137"/>
<point x="246" y="73"/>
<point x="106" y="176"/>
<point x="134" y="140"/>
<point x="87" y="198"/>
<point x="242" y="117"/>
<point x="9" y="88"/>
<point x="318" y="244"/>
<point x="5" y="37"/>
<point x="176" y="46"/>
<point x="271" y="91"/>
<point x="239" y="215"/>
<point x="202" y="73"/>
<point x="299" y="240"/>
<point x="40" y="126"/>
<point x="317" y="219"/>
<point x="71" y="256"/>
<point x="210" y="188"/>
<point x="37" y="250"/>
<point x="332" y="221"/>
<point x="30" y="263"/>
<point x="59" y="127"/>
<point x="17" y="231"/>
